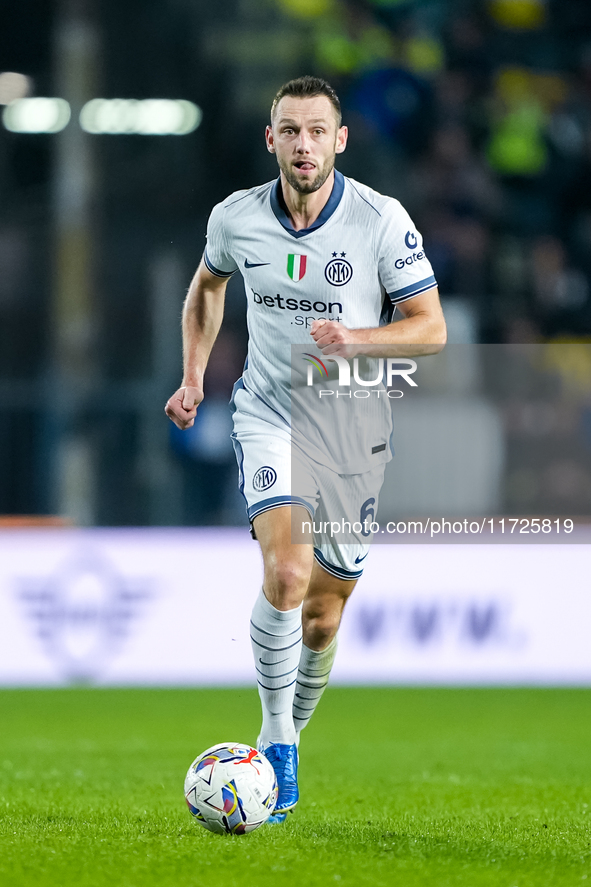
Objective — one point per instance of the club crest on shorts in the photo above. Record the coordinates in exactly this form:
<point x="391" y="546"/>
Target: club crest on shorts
<point x="264" y="478"/>
<point x="296" y="266"/>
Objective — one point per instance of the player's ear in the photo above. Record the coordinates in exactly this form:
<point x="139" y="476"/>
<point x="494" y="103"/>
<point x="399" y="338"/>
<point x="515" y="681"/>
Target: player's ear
<point x="342" y="136"/>
<point x="270" y="140"/>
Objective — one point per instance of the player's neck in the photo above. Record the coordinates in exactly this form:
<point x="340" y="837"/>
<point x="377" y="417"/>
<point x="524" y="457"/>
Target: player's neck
<point x="304" y="209"/>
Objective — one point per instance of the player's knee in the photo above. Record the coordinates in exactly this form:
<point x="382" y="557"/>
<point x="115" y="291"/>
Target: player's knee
<point x="286" y="583"/>
<point x="320" y="628"/>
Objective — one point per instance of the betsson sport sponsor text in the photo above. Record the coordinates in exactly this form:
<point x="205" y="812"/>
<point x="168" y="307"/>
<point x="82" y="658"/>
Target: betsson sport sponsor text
<point x="279" y="301"/>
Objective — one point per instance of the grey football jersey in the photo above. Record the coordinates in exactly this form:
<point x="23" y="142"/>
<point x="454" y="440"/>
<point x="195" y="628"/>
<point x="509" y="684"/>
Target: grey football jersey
<point x="360" y="258"/>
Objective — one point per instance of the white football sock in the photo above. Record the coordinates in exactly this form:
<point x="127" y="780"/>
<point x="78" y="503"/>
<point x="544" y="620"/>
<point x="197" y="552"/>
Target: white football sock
<point x="313" y="674"/>
<point x="276" y="637"/>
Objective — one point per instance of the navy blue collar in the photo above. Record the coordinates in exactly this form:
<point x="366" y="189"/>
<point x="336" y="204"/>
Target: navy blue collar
<point x="278" y="206"/>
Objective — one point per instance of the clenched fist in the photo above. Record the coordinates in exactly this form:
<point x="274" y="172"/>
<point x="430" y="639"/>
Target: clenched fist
<point x="182" y="406"/>
<point x="333" y="337"/>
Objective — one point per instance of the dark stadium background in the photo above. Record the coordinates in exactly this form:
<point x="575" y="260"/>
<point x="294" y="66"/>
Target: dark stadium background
<point x="452" y="747"/>
<point x="476" y="115"/>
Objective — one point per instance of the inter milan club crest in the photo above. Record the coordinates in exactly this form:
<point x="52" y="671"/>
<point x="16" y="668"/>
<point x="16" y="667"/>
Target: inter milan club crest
<point x="264" y="478"/>
<point x="338" y="271"/>
<point x="296" y="266"/>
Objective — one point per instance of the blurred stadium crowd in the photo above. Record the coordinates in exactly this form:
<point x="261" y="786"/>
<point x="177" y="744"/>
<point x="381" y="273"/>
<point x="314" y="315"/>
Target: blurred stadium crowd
<point x="476" y="114"/>
<point x="482" y="115"/>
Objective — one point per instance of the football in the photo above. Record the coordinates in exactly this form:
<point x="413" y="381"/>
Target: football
<point x="231" y="789"/>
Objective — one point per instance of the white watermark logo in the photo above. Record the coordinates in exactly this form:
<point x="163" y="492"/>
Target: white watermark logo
<point x="385" y="370"/>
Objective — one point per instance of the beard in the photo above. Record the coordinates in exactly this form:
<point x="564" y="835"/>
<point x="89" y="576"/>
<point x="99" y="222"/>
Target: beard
<point x="303" y="187"/>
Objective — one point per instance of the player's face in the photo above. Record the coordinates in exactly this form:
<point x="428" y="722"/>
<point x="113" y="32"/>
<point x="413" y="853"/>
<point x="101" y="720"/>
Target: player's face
<point x="305" y="137"/>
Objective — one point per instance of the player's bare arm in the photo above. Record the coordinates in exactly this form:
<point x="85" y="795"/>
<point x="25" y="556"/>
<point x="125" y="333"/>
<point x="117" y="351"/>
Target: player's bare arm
<point x="421" y="331"/>
<point x="202" y="317"/>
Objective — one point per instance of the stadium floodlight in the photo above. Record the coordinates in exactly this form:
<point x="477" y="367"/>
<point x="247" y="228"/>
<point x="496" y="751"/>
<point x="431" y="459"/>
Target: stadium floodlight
<point x="36" y="115"/>
<point x="148" y="117"/>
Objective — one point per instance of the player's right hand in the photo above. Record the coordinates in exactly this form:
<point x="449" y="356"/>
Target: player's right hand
<point x="182" y="406"/>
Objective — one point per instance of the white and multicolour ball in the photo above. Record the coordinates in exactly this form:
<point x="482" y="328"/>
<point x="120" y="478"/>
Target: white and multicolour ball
<point x="231" y="789"/>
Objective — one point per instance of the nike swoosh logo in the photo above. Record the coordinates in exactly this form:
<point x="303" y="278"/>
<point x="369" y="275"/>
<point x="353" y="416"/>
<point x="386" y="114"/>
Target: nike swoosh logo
<point x="262" y="661"/>
<point x="359" y="559"/>
<point x="248" y="264"/>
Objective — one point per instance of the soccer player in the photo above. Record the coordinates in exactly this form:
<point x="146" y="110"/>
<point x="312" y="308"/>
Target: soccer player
<point x="326" y="261"/>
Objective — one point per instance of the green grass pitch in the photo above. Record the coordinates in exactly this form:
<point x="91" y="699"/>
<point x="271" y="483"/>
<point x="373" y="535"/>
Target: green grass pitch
<point x="407" y="787"/>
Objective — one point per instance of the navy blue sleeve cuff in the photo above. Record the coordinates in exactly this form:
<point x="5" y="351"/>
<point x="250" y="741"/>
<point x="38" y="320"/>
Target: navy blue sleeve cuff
<point x="413" y="289"/>
<point x="215" y="270"/>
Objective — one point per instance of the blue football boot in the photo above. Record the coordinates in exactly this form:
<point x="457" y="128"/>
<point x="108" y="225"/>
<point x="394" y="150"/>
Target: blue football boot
<point x="284" y="760"/>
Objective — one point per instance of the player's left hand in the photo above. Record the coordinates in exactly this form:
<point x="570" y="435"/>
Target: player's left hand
<point x="334" y="338"/>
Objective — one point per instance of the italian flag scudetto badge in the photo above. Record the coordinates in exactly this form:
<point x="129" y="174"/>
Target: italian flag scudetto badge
<point x="296" y="266"/>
